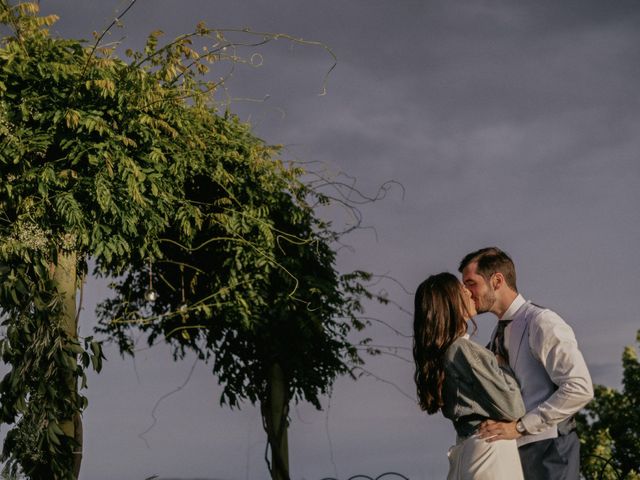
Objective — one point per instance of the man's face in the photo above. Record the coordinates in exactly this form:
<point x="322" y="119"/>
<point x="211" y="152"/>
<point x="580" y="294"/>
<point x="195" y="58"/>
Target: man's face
<point x="482" y="292"/>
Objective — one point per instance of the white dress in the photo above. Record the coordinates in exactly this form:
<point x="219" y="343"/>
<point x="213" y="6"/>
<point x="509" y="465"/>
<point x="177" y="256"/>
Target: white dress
<point x="474" y="458"/>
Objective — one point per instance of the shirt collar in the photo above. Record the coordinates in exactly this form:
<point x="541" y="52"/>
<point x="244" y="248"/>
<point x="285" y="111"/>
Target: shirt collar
<point x="513" y="308"/>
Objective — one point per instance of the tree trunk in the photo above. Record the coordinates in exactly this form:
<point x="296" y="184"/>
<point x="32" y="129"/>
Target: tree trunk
<point x="274" y="413"/>
<point x="64" y="276"/>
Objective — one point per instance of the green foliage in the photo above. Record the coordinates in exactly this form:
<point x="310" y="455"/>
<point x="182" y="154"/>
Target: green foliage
<point x="130" y="165"/>
<point x="42" y="356"/>
<point x="609" y="426"/>
<point x="254" y="287"/>
<point x="104" y="158"/>
<point x="66" y="137"/>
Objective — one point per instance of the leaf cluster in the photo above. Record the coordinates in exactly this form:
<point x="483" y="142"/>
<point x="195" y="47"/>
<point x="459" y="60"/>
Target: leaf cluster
<point x="129" y="164"/>
<point x="42" y="357"/>
<point x="104" y="158"/>
<point x="88" y="153"/>
<point x="255" y="286"/>
<point x="609" y="426"/>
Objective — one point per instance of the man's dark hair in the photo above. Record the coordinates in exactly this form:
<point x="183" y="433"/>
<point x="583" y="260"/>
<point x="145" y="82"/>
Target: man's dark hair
<point x="492" y="260"/>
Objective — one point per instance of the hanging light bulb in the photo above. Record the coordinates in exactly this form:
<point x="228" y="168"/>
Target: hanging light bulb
<point x="150" y="295"/>
<point x="183" y="306"/>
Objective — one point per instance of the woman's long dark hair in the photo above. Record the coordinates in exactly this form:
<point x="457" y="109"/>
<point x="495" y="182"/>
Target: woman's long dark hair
<point x="439" y="318"/>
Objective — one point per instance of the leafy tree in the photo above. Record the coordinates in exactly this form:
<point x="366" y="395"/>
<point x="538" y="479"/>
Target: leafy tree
<point x="290" y="339"/>
<point x="609" y="427"/>
<point x="99" y="160"/>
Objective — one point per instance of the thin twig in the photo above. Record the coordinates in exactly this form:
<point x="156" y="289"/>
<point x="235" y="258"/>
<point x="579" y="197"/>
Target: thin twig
<point x="162" y="398"/>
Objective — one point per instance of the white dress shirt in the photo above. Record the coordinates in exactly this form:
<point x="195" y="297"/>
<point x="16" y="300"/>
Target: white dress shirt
<point x="552" y="343"/>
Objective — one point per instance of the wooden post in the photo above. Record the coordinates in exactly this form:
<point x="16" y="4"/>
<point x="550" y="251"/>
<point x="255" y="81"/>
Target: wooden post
<point x="65" y="277"/>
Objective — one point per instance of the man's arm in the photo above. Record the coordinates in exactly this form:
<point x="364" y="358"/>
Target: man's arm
<point x="553" y="342"/>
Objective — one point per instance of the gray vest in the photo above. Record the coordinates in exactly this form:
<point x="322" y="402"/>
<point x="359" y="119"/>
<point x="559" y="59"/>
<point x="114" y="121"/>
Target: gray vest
<point x="535" y="384"/>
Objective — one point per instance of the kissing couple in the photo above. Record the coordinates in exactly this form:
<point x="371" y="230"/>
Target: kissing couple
<point x="512" y="403"/>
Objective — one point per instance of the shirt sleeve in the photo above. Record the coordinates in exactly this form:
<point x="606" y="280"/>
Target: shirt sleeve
<point x="554" y="344"/>
<point x="497" y="391"/>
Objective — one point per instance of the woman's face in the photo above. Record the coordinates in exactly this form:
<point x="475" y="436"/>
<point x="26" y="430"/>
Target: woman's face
<point x="468" y="302"/>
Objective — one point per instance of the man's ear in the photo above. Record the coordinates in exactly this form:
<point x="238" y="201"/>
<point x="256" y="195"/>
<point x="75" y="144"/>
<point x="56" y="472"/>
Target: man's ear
<point x="498" y="280"/>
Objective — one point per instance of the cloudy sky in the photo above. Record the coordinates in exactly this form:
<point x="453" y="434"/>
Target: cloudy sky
<point x="509" y="123"/>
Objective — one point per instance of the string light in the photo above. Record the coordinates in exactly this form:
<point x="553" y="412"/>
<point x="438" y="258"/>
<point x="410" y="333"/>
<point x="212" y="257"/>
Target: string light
<point x="150" y="295"/>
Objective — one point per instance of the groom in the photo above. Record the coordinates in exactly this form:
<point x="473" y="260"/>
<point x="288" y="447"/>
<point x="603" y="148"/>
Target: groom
<point x="542" y="351"/>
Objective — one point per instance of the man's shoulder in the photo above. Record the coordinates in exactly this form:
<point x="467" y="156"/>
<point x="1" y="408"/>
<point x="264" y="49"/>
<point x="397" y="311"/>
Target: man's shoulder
<point x="539" y="315"/>
<point x="536" y="308"/>
<point x="544" y="322"/>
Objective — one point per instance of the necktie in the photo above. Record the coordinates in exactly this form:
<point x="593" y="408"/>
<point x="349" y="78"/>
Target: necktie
<point x="497" y="346"/>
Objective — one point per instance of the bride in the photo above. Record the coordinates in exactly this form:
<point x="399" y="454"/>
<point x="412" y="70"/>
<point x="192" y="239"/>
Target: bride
<point x="464" y="380"/>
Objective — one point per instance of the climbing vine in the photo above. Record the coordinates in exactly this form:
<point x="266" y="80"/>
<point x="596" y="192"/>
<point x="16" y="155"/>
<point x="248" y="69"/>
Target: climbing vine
<point x="215" y="243"/>
<point x="97" y="156"/>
